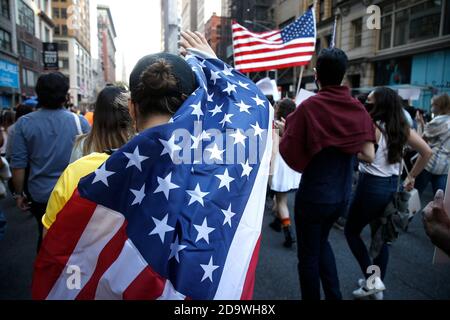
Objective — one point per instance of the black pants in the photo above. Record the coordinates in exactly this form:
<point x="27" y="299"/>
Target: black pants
<point x="317" y="263"/>
<point x="38" y="210"/>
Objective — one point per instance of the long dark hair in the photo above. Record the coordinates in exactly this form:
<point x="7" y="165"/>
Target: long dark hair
<point x="388" y="108"/>
<point x="112" y="126"/>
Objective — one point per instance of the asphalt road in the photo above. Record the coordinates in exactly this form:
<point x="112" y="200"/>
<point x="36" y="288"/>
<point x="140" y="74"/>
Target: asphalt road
<point x="411" y="274"/>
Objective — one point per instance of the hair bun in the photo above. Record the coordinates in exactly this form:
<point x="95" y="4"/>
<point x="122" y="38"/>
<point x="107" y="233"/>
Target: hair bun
<point x="158" y="79"/>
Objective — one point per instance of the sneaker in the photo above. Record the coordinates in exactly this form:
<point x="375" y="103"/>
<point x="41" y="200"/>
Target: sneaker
<point x="276" y="224"/>
<point x="365" y="292"/>
<point x="377" y="296"/>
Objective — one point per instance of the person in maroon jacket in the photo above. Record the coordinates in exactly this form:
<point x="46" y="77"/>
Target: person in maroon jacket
<point x="321" y="140"/>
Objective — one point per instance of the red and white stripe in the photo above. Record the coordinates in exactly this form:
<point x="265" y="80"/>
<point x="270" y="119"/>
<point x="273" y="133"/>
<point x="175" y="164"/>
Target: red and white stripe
<point x="92" y="239"/>
<point x="266" y="51"/>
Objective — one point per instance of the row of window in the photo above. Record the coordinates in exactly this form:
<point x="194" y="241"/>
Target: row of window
<point x="406" y="22"/>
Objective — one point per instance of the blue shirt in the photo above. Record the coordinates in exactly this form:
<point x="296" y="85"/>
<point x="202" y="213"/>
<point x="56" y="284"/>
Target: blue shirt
<point x="328" y="178"/>
<point x="43" y="140"/>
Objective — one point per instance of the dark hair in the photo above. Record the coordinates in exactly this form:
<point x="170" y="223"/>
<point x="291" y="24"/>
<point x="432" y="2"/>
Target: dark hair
<point x="112" y="126"/>
<point x="284" y="108"/>
<point x="52" y="89"/>
<point x="8" y="117"/>
<point x="158" y="83"/>
<point x="331" y="66"/>
<point x="388" y="108"/>
<point x="362" y="97"/>
<point x="23" y="109"/>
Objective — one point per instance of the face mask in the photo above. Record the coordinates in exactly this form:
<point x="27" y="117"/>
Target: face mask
<point x="369" y="106"/>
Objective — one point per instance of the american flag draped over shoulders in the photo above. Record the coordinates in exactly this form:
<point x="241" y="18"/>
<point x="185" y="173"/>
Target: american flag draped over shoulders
<point x="292" y="46"/>
<point x="177" y="212"/>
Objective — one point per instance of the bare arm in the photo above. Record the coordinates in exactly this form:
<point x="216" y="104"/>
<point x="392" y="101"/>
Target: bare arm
<point x="425" y="153"/>
<point x="367" y="153"/>
<point x="18" y="178"/>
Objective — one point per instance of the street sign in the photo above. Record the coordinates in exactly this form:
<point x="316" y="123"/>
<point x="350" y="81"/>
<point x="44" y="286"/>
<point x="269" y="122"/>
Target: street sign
<point x="50" y="56"/>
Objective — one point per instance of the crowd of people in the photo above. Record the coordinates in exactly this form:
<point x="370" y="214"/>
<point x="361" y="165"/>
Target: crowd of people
<point x="324" y="143"/>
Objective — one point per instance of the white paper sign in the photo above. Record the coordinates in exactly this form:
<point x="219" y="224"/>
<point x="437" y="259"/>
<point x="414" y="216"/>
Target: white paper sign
<point x="269" y="88"/>
<point x="409" y="93"/>
<point x="439" y="255"/>
<point x="302" y="96"/>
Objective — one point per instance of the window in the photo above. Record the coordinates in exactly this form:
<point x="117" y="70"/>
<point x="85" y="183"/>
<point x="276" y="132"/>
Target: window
<point x="4" y="9"/>
<point x="64" y="63"/>
<point x="56" y="13"/>
<point x="27" y="51"/>
<point x="63" y="46"/>
<point x="57" y="30"/>
<point x="64" y="30"/>
<point x="357" y="32"/>
<point x="29" y="78"/>
<point x="424" y="20"/>
<point x="63" y="13"/>
<point x="26" y="17"/>
<point x="385" y="32"/>
<point x="411" y="21"/>
<point x="47" y="34"/>
<point x="5" y="40"/>
<point x="447" y="19"/>
<point x="401" y="27"/>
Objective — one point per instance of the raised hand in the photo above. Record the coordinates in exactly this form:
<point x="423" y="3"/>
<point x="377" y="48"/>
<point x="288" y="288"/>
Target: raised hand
<point x="195" y="40"/>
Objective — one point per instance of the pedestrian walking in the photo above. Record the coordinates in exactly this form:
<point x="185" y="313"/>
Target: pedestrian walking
<point x="112" y="128"/>
<point x="43" y="140"/>
<point x="378" y="182"/>
<point x="321" y="139"/>
<point x="284" y="179"/>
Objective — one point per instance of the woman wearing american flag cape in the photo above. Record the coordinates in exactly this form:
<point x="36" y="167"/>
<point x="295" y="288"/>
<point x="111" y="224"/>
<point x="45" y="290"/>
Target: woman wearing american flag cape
<point x="176" y="213"/>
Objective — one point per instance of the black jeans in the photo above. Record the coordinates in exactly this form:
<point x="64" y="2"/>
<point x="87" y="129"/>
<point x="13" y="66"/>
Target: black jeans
<point x="38" y="210"/>
<point x="317" y="264"/>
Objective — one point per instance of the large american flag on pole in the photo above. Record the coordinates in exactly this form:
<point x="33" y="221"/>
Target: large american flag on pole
<point x="177" y="212"/>
<point x="292" y="46"/>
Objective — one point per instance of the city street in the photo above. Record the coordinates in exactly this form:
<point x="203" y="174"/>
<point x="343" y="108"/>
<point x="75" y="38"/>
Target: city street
<point x="411" y="274"/>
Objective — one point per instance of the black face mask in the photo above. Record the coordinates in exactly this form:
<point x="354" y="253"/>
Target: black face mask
<point x="369" y="106"/>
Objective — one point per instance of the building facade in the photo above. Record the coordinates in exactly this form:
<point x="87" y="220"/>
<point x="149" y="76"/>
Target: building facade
<point x="73" y="35"/>
<point x="9" y="56"/>
<point x="410" y="50"/>
<point x="189" y="15"/>
<point x="217" y="38"/>
<point x="34" y="26"/>
<point x="107" y="48"/>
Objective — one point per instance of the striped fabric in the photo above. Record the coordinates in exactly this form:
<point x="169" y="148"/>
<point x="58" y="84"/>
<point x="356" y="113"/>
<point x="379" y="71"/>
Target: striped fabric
<point x="292" y="46"/>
